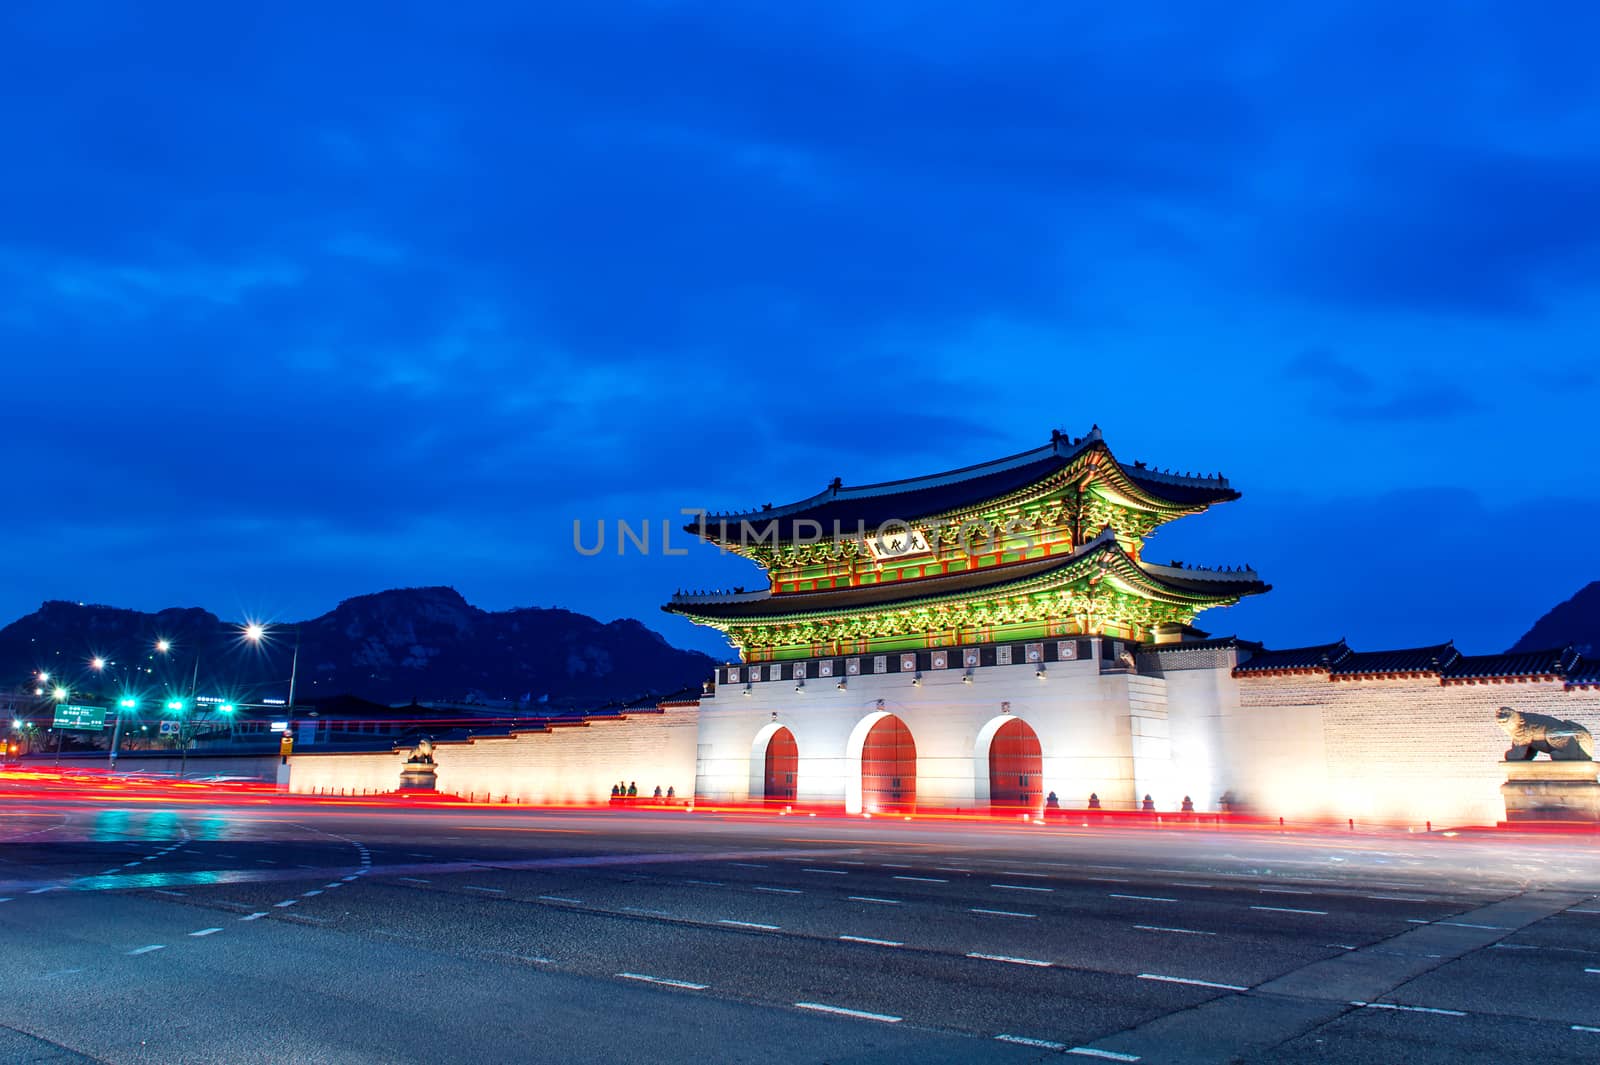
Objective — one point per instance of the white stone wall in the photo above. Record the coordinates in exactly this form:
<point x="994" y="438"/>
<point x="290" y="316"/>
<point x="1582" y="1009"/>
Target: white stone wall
<point x="1081" y="717"/>
<point x="568" y="765"/>
<point x="1383" y="750"/>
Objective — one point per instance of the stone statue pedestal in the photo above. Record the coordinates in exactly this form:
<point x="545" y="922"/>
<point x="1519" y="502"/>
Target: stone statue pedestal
<point x="1552" y="791"/>
<point x="416" y="777"/>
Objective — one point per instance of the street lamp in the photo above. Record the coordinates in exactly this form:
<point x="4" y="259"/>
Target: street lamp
<point x="257" y="633"/>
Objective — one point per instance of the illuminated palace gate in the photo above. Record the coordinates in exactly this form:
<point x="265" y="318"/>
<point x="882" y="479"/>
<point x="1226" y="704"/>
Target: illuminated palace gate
<point x="1016" y="768"/>
<point x="783" y="762"/>
<point x="889" y="767"/>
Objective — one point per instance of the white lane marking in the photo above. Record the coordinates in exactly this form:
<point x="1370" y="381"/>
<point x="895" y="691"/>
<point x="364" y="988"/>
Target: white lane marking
<point x="874" y="942"/>
<point x="924" y="879"/>
<point x="641" y="909"/>
<point x="206" y="932"/>
<point x="1035" y="962"/>
<point x="42" y="890"/>
<point x="1285" y="909"/>
<point x="285" y="903"/>
<point x="1036" y="876"/>
<point x="951" y="869"/>
<point x="1526" y="946"/>
<point x="1398" y="898"/>
<point x="843" y="1012"/>
<point x="750" y="924"/>
<point x="841" y="861"/>
<point x="1190" y="884"/>
<point x="747" y="865"/>
<point x="254" y="916"/>
<point x="705" y="883"/>
<point x="129" y="865"/>
<point x="1022" y="1040"/>
<point x="829" y="872"/>
<point x="6" y="899"/>
<point x="108" y="872"/>
<point x="1341" y="946"/>
<point x="1187" y="980"/>
<point x="1407" y="1009"/>
<point x="561" y="898"/>
<point x="781" y="890"/>
<point x="486" y="890"/>
<point x="414" y="879"/>
<point x="1486" y="927"/>
<point x="1108" y="879"/>
<point x="147" y="950"/>
<point x="1583" y="911"/>
<point x="663" y="981"/>
<point x="333" y="885"/>
<point x="1283" y="891"/>
<point x="1108" y="1055"/>
<point x="869" y="898"/>
<point x="1001" y="913"/>
<point x="313" y="893"/>
<point x="1140" y="898"/>
<point x="349" y="878"/>
<point x="1592" y="970"/>
<point x="1180" y="931"/>
<point x="893" y="865"/>
<point x="1584" y="1028"/>
<point x="1020" y="887"/>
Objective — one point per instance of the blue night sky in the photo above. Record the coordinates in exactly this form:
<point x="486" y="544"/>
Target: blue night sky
<point x="298" y="303"/>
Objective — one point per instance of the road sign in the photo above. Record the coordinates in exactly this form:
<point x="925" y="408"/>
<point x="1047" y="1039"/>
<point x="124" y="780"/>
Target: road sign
<point x="84" y="718"/>
<point x="171" y="728"/>
<point x="286" y="745"/>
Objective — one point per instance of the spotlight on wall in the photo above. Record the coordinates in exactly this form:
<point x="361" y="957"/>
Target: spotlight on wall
<point x="1005" y="708"/>
<point x="916" y="681"/>
<point x="746" y="691"/>
<point x="841" y="685"/>
<point x="799" y="685"/>
<point x="1040" y="671"/>
<point x="966" y="678"/>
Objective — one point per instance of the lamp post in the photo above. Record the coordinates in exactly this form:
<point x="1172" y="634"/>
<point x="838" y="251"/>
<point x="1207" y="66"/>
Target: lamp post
<point x="60" y="695"/>
<point x="258" y="634"/>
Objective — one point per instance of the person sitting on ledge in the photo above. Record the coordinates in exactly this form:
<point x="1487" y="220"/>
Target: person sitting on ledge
<point x="670" y="792"/>
<point x="614" y="791"/>
<point x="1051" y="802"/>
<point x="633" y="790"/>
<point x="658" y="791"/>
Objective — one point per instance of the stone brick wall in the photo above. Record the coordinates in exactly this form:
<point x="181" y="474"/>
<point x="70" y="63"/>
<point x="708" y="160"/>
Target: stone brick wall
<point x="568" y="765"/>
<point x="1411" y="750"/>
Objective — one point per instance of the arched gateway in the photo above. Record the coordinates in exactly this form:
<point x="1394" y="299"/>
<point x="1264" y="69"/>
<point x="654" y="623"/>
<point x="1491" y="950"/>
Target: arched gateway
<point x="888" y="767"/>
<point x="782" y="764"/>
<point x="1016" y="769"/>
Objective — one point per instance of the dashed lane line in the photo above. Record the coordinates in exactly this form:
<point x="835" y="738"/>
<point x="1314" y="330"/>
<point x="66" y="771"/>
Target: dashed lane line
<point x="1189" y="980"/>
<point x="1108" y="879"/>
<point x="750" y="924"/>
<point x="1140" y="898"/>
<point x="1177" y="931"/>
<point x="1284" y="891"/>
<point x="1000" y="913"/>
<point x="663" y="981"/>
<point x="1407" y="1009"/>
<point x="781" y="890"/>
<point x="1107" y="1055"/>
<point x="873" y="942"/>
<point x="845" y="1012"/>
<point x="1035" y="962"/>
<point x="561" y="898"/>
<point x="313" y="893"/>
<point x="206" y="932"/>
<point x="285" y="903"/>
<point x="1035" y="876"/>
<point x="1025" y="1041"/>
<point x="1398" y="898"/>
<point x="1584" y="1028"/>
<point x="414" y="879"/>
<point x="869" y="898"/>
<point x="1020" y="887"/>
<point x="829" y="872"/>
<point x="1286" y="909"/>
<point x="924" y="879"/>
<point x="147" y="950"/>
<point x="485" y="890"/>
<point x="254" y="916"/>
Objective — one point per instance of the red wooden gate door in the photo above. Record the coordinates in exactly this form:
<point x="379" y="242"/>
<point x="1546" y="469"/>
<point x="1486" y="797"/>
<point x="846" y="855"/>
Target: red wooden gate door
<point x="783" y="762"/>
<point x="1016" y="769"/>
<point x="889" y="768"/>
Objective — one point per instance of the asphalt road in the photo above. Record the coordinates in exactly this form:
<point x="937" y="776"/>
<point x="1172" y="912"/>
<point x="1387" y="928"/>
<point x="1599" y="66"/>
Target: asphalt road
<point x="310" y="933"/>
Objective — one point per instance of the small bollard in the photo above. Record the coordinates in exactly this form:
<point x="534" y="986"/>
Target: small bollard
<point x="1352" y="824"/>
<point x="1430" y="826"/>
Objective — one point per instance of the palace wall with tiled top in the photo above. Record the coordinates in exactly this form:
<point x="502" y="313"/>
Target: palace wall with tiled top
<point x="1409" y="750"/>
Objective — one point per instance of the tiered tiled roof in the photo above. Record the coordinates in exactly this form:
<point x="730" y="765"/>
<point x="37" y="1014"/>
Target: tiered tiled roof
<point x="918" y="497"/>
<point x="1158" y="580"/>
<point x="1585" y="672"/>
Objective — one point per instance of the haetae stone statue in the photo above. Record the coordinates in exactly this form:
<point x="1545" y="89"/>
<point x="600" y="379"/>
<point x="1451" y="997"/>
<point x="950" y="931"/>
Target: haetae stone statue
<point x="419" y="774"/>
<point x="1563" y="741"/>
